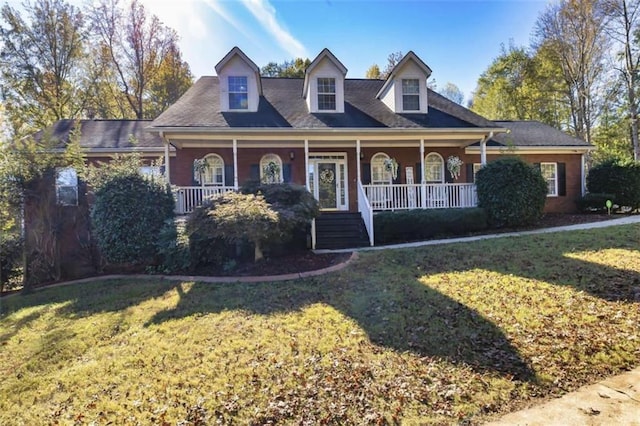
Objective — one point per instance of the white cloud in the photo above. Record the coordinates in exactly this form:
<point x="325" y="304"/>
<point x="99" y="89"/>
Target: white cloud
<point x="216" y="6"/>
<point x="265" y="13"/>
<point x="182" y="17"/>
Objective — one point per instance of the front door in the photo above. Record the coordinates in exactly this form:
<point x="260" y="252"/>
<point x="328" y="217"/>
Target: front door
<point x="328" y="180"/>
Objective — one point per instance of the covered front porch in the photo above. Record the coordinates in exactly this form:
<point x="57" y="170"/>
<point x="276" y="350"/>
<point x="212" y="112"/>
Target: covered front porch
<point x="344" y="175"/>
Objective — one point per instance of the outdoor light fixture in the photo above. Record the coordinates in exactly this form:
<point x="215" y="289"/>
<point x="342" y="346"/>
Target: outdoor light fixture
<point x="361" y="155"/>
<point x="292" y="155"/>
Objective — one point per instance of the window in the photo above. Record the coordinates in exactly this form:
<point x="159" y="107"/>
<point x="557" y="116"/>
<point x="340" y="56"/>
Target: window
<point x="379" y="175"/>
<point x="550" y="174"/>
<point x="214" y="173"/>
<point x="326" y="94"/>
<point x="434" y="168"/>
<point x="410" y="94"/>
<point x="271" y="169"/>
<point x="238" y="93"/>
<point x="151" y="172"/>
<point x="476" y="169"/>
<point x="67" y="186"/>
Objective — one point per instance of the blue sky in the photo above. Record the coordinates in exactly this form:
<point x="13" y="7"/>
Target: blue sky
<point x="457" y="39"/>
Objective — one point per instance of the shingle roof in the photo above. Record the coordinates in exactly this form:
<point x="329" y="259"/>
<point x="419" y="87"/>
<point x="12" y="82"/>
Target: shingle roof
<point x="282" y="106"/>
<point x="535" y="133"/>
<point x="106" y="134"/>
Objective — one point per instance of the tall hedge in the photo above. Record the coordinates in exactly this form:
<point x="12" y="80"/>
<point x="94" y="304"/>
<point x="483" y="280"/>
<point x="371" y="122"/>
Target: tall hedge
<point x="128" y="214"/>
<point x="621" y="179"/>
<point x="512" y="192"/>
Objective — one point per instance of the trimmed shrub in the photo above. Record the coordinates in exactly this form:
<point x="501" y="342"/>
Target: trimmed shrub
<point x="172" y="248"/>
<point x="512" y="192"/>
<point x="11" y="247"/>
<point x="128" y="215"/>
<point x="619" y="178"/>
<point x="301" y="208"/>
<point x="206" y="247"/>
<point x="593" y="202"/>
<point x="413" y="225"/>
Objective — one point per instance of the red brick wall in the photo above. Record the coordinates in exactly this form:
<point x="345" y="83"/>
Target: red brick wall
<point x="181" y="166"/>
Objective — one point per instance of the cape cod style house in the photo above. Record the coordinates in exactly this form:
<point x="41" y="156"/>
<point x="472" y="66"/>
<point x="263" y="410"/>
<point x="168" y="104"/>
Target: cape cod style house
<point x="359" y="145"/>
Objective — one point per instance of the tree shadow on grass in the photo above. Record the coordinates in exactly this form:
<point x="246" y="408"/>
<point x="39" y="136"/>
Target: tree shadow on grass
<point x="550" y="258"/>
<point x="400" y="315"/>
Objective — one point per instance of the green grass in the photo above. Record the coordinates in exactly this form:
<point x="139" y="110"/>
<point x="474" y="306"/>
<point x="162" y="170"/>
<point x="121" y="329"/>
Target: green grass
<point x="439" y="334"/>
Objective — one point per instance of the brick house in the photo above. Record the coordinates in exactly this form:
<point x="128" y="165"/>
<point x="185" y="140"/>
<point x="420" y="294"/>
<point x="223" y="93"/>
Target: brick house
<point x="359" y="145"/>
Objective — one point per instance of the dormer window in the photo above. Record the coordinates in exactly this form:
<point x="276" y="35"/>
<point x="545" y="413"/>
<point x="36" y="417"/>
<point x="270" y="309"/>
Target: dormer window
<point x="238" y="93"/>
<point x="410" y="94"/>
<point x="327" y="94"/>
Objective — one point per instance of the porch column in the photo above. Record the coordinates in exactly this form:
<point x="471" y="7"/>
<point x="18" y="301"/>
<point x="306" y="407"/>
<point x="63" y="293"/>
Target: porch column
<point x="358" y="159"/>
<point x="167" y="175"/>
<point x="306" y="164"/>
<point x="235" y="164"/>
<point x="423" y="186"/>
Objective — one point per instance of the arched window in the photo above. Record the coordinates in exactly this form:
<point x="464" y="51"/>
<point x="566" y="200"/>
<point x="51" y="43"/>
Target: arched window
<point x="434" y="168"/>
<point x="271" y="169"/>
<point x="379" y="174"/>
<point x="214" y="173"/>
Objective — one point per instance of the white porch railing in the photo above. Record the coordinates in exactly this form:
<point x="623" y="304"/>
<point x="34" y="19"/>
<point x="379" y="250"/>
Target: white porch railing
<point x="365" y="211"/>
<point x="190" y="197"/>
<point x="409" y="196"/>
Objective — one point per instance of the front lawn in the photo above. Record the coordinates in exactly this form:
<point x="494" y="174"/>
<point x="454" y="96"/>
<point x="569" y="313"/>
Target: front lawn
<point x="438" y="334"/>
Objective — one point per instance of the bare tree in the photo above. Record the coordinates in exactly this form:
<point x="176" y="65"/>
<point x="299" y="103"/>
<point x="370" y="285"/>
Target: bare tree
<point x="624" y="17"/>
<point x="575" y="31"/>
<point x="136" y="44"/>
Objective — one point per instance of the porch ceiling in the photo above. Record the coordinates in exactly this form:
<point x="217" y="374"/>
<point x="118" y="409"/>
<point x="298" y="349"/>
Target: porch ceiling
<point x="193" y="138"/>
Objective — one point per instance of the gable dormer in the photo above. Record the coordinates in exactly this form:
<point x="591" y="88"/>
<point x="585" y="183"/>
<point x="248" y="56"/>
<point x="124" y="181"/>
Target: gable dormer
<point x="405" y="90"/>
<point x="239" y="81"/>
<point x="323" y="88"/>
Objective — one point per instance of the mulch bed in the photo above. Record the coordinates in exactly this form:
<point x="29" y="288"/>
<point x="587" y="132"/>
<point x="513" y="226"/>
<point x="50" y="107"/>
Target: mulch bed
<point x="309" y="261"/>
<point x="280" y="265"/>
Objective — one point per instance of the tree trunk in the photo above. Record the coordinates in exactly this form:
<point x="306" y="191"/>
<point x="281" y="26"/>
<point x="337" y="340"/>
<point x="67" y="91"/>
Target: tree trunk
<point x="257" y="252"/>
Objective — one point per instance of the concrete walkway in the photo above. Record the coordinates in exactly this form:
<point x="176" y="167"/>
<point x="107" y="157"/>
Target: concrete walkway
<point x="614" y="401"/>
<point x="592" y="225"/>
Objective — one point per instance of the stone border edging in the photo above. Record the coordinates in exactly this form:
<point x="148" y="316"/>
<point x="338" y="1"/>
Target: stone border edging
<point x="204" y="279"/>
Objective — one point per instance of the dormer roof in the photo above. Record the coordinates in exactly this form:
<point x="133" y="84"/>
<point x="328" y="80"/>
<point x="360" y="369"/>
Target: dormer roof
<point x="326" y="53"/>
<point x="406" y="58"/>
<point x="237" y="52"/>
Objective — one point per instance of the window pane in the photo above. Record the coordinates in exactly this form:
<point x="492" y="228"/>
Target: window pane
<point x="434" y="166"/>
<point x="326" y="102"/>
<point x="548" y="171"/>
<point x="66" y="177"/>
<point x="410" y="86"/>
<point x="326" y="85"/>
<point x="68" y="195"/>
<point x="411" y="102"/>
<point x="238" y="84"/>
<point x="238" y="101"/>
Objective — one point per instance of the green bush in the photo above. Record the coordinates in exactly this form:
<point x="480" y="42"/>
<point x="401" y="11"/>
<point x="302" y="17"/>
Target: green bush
<point x="300" y="206"/>
<point x="206" y="248"/>
<point x="512" y="192"/>
<point x="172" y="248"/>
<point x="594" y="202"/>
<point x="128" y="215"/>
<point x="413" y="225"/>
<point x="11" y="246"/>
<point x="619" y="178"/>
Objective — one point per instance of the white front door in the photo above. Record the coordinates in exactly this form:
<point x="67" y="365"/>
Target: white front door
<point x="328" y="180"/>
